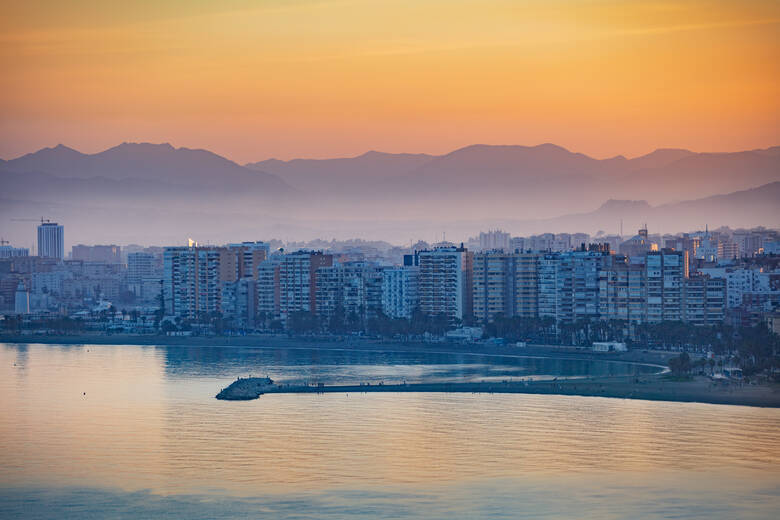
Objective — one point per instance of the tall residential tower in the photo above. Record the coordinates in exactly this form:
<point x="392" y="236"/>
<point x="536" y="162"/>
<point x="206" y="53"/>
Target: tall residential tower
<point x="51" y="240"/>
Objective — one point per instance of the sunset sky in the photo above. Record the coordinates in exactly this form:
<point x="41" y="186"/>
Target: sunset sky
<point x="253" y="80"/>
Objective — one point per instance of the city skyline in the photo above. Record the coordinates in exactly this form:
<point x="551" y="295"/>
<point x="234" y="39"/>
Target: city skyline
<point x="710" y="279"/>
<point x="428" y="259"/>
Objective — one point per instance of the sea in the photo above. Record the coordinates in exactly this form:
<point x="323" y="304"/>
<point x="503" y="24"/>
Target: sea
<point x="124" y="431"/>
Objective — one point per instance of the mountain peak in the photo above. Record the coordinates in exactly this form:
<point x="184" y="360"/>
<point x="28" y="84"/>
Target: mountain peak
<point x="624" y="205"/>
<point x="133" y="146"/>
<point x="551" y="147"/>
<point x="48" y="154"/>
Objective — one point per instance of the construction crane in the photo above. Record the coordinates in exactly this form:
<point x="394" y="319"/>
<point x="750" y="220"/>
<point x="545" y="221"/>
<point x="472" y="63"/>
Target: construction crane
<point x="42" y="220"/>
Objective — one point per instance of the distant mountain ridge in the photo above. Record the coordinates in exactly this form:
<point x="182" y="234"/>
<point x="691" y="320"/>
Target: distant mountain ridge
<point x="530" y="174"/>
<point x="525" y="189"/>
<point x="151" y="162"/>
<point x="746" y="208"/>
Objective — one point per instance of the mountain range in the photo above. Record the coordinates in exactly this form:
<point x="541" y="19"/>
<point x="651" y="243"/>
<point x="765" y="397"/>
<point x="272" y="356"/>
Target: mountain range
<point x="136" y="170"/>
<point x="530" y="181"/>
<point x="171" y="192"/>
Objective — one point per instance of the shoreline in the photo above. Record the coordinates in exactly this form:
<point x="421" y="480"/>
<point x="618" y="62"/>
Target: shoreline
<point x="653" y="387"/>
<point x="348" y="343"/>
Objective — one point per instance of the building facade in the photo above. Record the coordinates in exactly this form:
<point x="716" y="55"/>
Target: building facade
<point x="298" y="282"/>
<point x="51" y="240"/>
<point x="400" y="291"/>
<point x="445" y="282"/>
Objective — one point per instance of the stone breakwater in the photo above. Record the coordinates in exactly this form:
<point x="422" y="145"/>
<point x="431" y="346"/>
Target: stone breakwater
<point x="651" y="388"/>
<point x="245" y="389"/>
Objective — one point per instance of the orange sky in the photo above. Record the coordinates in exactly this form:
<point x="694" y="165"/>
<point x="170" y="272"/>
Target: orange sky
<point x="309" y="78"/>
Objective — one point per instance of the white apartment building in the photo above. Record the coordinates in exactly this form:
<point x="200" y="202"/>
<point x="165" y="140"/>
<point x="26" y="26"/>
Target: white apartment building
<point x="740" y="282"/>
<point x="400" y="291"/>
<point x="494" y="240"/>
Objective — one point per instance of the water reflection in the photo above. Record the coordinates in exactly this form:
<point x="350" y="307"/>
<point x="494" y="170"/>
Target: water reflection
<point x="120" y="420"/>
<point x="333" y="365"/>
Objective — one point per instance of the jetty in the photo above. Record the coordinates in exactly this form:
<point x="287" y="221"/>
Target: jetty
<point x="246" y="388"/>
<point x="654" y="387"/>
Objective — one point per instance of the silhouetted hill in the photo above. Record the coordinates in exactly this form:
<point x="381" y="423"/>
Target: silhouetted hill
<point x="144" y="161"/>
<point x="774" y="150"/>
<point x="525" y="181"/>
<point x="347" y="175"/>
<point x="746" y="208"/>
<point x="705" y="174"/>
<point x="659" y="158"/>
<point x="387" y="196"/>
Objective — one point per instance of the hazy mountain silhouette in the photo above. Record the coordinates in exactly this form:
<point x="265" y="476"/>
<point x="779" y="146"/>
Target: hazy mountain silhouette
<point x="659" y="158"/>
<point x="772" y="151"/>
<point x="705" y="173"/>
<point x="746" y="208"/>
<point x="387" y="196"/>
<point x="151" y="162"/>
<point x="539" y="180"/>
<point x="353" y="174"/>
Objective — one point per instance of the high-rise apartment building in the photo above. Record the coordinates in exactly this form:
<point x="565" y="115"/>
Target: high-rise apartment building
<point x="193" y="279"/>
<point x="139" y="266"/>
<point x="568" y="283"/>
<point x="623" y="291"/>
<point x="727" y="250"/>
<point x="493" y="285"/>
<point x="659" y="288"/>
<point x="51" y="240"/>
<point x="494" y="240"/>
<point x="353" y="289"/>
<point x="547" y="296"/>
<point x="239" y="301"/>
<point x="505" y="283"/>
<point x="298" y="282"/>
<point x="143" y="276"/>
<point x="586" y="267"/>
<point x="741" y="282"/>
<point x="704" y="300"/>
<point x="526" y="285"/>
<point x="268" y="288"/>
<point x="251" y="255"/>
<point x="400" y="291"/>
<point x="445" y="282"/>
<point x="666" y="272"/>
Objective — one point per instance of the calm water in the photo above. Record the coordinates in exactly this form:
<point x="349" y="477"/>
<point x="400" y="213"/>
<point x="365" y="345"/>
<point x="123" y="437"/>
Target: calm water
<point x="121" y="431"/>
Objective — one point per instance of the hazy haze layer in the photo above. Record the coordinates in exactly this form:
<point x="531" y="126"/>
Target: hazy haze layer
<point x="149" y="193"/>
